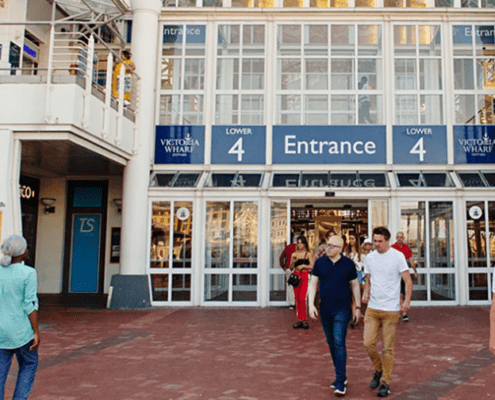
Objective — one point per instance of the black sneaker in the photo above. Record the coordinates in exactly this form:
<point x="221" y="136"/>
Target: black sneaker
<point x="384" y="390"/>
<point x="405" y="318"/>
<point x="375" y="382"/>
<point x="340" y="389"/>
<point x="335" y="382"/>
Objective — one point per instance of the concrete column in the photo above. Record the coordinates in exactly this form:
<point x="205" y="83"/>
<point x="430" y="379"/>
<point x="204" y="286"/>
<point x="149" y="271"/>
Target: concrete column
<point x="131" y="288"/>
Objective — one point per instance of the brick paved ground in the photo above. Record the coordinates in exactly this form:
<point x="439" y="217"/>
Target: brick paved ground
<point x="250" y="354"/>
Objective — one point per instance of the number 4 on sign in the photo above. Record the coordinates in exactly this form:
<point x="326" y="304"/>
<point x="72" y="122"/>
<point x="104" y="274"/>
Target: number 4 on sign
<point x="419" y="150"/>
<point x="237" y="149"/>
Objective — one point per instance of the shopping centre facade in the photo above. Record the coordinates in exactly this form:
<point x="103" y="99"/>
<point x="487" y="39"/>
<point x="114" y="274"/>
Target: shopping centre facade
<point x="250" y="123"/>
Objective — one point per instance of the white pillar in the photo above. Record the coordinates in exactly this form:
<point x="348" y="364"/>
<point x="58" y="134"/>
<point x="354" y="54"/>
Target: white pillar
<point x="131" y="287"/>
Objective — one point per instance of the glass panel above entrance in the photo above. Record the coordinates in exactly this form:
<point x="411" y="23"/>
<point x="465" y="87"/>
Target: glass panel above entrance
<point x="175" y="179"/>
<point x="424" y="179"/>
<point x="344" y="179"/>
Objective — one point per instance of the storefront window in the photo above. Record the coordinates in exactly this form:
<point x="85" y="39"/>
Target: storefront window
<point x="278" y="241"/>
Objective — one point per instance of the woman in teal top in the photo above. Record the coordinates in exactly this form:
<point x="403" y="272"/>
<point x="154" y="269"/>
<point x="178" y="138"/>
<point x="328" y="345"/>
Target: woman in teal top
<point x="18" y="316"/>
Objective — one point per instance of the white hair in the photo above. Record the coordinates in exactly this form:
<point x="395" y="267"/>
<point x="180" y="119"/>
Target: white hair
<point x="13" y="246"/>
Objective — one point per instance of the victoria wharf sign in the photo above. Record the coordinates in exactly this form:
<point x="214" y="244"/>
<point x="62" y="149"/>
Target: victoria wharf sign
<point x="474" y="144"/>
<point x="180" y="144"/>
<point x="332" y="144"/>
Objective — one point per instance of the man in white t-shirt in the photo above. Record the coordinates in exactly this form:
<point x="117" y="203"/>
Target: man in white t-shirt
<point x="383" y="268"/>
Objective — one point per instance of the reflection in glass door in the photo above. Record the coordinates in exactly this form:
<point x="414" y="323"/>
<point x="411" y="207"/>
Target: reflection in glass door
<point x="171" y="251"/>
<point x="231" y="252"/>
<point x="431" y="222"/>
<point x="480" y="226"/>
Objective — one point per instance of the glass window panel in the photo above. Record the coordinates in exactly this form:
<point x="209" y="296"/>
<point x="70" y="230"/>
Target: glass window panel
<point x="441" y="216"/>
<point x="160" y="234"/>
<point x="343" y="40"/>
<point x="431" y="109"/>
<point x="316" y="110"/>
<point x="319" y="3"/>
<point x="289" y="110"/>
<point x="194" y="69"/>
<point x="442" y="287"/>
<point x="253" y="73"/>
<point x="339" y="3"/>
<point x="159" y="283"/>
<point x="181" y="287"/>
<point x="293" y="3"/>
<point x="343" y="110"/>
<point x="490" y="178"/>
<point x="245" y="287"/>
<point x="182" y="236"/>
<point x="429" y="40"/>
<point x="465" y="109"/>
<point x="252" y="110"/>
<point x="227" y="109"/>
<point x="488" y="3"/>
<point x="393" y="3"/>
<point x="476" y="234"/>
<point x="485" y="109"/>
<point x="278" y="286"/>
<point x="405" y="40"/>
<point x="371" y="69"/>
<point x="420" y="291"/>
<point x="371" y="109"/>
<point x="216" y="287"/>
<point x="440" y="179"/>
<point x="248" y="180"/>
<point x="444" y="3"/>
<point x="343" y="74"/>
<point x="405" y="74"/>
<point x="171" y="74"/>
<point x="228" y="39"/>
<point x="406" y="109"/>
<point x="414" y="228"/>
<point x="220" y="180"/>
<point x="289" y="40"/>
<point x="162" y="180"/>
<point x="343" y="180"/>
<point x="316" y="39"/>
<point x="290" y="74"/>
<point x="187" y="180"/>
<point x="371" y="180"/>
<point x="227" y="73"/>
<point x="410" y="180"/>
<point x="471" y="179"/>
<point x="278" y="238"/>
<point x="169" y="109"/>
<point x="430" y="74"/>
<point x="369" y="36"/>
<point x="463" y="74"/>
<point x="285" y="180"/>
<point x="172" y="41"/>
<point x="478" y="286"/>
<point x="253" y="39"/>
<point x="316" y="74"/>
<point x="217" y="235"/>
<point x="469" y="3"/>
<point x="245" y="242"/>
<point x="379" y="212"/>
<point x="314" y="180"/>
<point x="193" y="110"/>
<point x="485" y="73"/>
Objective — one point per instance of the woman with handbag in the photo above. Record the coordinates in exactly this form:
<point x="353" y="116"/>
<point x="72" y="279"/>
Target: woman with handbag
<point x="301" y="265"/>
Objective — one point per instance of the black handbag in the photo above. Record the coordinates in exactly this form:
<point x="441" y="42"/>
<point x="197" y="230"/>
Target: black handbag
<point x="294" y="280"/>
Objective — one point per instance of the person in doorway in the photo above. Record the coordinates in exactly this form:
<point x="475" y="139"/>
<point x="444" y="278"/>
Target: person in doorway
<point x="129" y="68"/>
<point x="284" y="260"/>
<point x="19" y="334"/>
<point x="336" y="277"/>
<point x="322" y="248"/>
<point x="353" y="251"/>
<point x="301" y="264"/>
<point x="364" y="102"/>
<point x="383" y="268"/>
<point x="404" y="249"/>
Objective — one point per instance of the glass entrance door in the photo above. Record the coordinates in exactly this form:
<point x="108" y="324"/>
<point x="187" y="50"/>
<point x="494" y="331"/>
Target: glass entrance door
<point x="480" y="229"/>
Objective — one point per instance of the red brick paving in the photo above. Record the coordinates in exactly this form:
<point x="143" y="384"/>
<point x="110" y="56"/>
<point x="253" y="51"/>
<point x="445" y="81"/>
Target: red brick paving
<point x="250" y="354"/>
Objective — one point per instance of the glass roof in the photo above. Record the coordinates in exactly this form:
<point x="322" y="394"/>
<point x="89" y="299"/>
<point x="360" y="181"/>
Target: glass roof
<point x="74" y="7"/>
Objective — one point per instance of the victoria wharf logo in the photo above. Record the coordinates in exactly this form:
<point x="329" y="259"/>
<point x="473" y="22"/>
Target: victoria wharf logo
<point x="179" y="144"/>
<point x="478" y="146"/>
<point x="180" y="147"/>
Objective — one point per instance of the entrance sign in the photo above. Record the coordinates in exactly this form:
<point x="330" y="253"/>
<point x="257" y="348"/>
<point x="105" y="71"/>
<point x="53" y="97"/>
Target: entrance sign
<point x="333" y="144"/>
<point x="239" y="144"/>
<point x="474" y="144"/>
<point x="179" y="144"/>
<point x="420" y="144"/>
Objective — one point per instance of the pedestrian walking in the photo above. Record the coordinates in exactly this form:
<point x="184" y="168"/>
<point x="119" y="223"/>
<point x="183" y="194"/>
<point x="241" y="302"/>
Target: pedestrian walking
<point x="19" y="334"/>
<point x="301" y="264"/>
<point x="336" y="277"/>
<point x="383" y="268"/>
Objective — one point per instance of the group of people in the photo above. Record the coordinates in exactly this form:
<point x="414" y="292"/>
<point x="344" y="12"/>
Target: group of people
<point x="347" y="279"/>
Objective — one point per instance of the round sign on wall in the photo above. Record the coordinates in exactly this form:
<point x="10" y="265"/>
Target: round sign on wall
<point x="183" y="213"/>
<point x="475" y="212"/>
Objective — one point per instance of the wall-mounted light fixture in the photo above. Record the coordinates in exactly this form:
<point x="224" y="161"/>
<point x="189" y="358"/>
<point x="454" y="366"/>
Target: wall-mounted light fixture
<point x="49" y="204"/>
<point x="118" y="203"/>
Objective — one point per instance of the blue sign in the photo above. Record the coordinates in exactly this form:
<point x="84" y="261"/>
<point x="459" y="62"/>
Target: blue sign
<point x="420" y="144"/>
<point x="179" y="144"/>
<point x="483" y="34"/>
<point x="333" y="144"/>
<point x="30" y="51"/>
<point x="474" y="144"/>
<point x="175" y="33"/>
<point x="238" y="144"/>
<point x="85" y="253"/>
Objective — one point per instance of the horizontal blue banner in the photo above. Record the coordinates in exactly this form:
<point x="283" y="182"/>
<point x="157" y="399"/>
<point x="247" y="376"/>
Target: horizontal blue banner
<point x="179" y="144"/>
<point x="474" y="144"/>
<point x="332" y="144"/>
<point x="175" y="33"/>
<point x="238" y="144"/>
<point x="420" y="144"/>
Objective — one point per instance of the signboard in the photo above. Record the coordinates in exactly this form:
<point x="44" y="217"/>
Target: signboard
<point x="474" y="144"/>
<point x="333" y="144"/>
<point x="14" y="57"/>
<point x="238" y="144"/>
<point x="175" y="33"/>
<point x="483" y="34"/>
<point x="420" y="144"/>
<point x="179" y="144"/>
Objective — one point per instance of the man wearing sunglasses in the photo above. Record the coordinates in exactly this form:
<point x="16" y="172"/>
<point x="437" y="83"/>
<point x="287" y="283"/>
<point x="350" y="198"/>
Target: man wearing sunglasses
<point x="333" y="273"/>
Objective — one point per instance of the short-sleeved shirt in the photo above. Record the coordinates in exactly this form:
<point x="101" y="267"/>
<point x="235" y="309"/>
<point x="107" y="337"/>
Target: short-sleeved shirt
<point x="335" y="293"/>
<point x="18" y="299"/>
<point x="385" y="274"/>
<point x="404" y="250"/>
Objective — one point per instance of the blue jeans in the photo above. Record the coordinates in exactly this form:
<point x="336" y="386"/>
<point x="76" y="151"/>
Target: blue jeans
<point x="28" y="362"/>
<point x="335" y="327"/>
